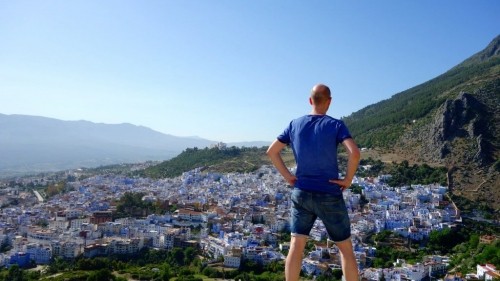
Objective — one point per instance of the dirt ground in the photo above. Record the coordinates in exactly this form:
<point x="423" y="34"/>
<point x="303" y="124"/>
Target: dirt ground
<point x="384" y="156"/>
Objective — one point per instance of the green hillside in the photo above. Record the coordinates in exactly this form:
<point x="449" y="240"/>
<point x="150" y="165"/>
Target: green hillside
<point x="224" y="160"/>
<point x="381" y="124"/>
<point x="451" y="121"/>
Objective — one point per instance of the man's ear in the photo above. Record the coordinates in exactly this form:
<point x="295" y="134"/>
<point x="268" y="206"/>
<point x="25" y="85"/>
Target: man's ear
<point x="310" y="101"/>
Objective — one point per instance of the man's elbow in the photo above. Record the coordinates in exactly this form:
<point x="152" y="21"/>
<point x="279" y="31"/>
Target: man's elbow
<point x="274" y="149"/>
<point x="355" y="154"/>
<point x="270" y="152"/>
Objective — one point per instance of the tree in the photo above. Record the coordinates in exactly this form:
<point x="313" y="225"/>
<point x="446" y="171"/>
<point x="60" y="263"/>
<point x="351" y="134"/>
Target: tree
<point x="101" y="275"/>
<point x="189" y="255"/>
<point x="210" y="272"/>
<point x="444" y="240"/>
<point x="356" y="189"/>
<point x="275" y="266"/>
<point x="473" y="241"/>
<point x="382" y="236"/>
<point x="165" y="272"/>
<point x="177" y="256"/>
<point x="244" y="276"/>
<point x="15" y="273"/>
<point x="334" y="275"/>
<point x="56" y="265"/>
<point x="132" y="205"/>
<point x="489" y="254"/>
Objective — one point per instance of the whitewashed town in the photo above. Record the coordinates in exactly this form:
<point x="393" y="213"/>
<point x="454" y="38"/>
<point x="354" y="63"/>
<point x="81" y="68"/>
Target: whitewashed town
<point x="231" y="216"/>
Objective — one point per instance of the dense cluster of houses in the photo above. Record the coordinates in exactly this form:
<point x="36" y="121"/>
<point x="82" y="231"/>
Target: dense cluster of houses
<point x="235" y="216"/>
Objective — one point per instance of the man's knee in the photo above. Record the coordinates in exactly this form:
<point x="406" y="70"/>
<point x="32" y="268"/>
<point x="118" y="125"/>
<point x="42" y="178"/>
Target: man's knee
<point x="345" y="246"/>
<point x="298" y="240"/>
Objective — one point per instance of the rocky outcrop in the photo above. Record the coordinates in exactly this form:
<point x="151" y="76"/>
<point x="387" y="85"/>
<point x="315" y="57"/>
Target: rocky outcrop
<point x="459" y="118"/>
<point x="482" y="156"/>
<point x="457" y="133"/>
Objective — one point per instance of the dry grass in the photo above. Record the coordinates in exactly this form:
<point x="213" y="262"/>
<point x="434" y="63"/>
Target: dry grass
<point x="384" y="156"/>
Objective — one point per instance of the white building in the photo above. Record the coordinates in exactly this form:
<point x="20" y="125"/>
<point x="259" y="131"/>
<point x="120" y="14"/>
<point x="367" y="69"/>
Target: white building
<point x="487" y="271"/>
<point x="66" y="250"/>
<point x="41" y="236"/>
<point x="78" y="222"/>
<point x="39" y="253"/>
<point x="233" y="258"/>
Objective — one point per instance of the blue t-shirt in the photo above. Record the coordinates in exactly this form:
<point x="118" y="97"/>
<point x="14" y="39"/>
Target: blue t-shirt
<point x="314" y="140"/>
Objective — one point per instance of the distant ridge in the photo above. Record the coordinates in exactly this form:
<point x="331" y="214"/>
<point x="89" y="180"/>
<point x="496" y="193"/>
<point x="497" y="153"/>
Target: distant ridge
<point x="492" y="50"/>
<point x="250" y="143"/>
<point x="39" y="144"/>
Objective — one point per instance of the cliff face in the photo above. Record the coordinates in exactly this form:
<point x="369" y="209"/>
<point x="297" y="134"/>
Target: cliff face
<point x="461" y="118"/>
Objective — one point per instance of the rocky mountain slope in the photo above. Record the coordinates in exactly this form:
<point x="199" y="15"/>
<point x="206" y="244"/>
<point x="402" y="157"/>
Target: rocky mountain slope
<point x="452" y="120"/>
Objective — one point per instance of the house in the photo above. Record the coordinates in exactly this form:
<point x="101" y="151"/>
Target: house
<point x="39" y="253"/>
<point x="487" y="272"/>
<point x="285" y="246"/>
<point x="95" y="250"/>
<point x="487" y="239"/>
<point x="233" y="258"/>
<point x="66" y="250"/>
<point x="76" y="223"/>
<point x="454" y="277"/>
<point x="22" y="259"/>
<point x="189" y="215"/>
<point x="313" y="267"/>
<point x="101" y="217"/>
<point x="125" y="246"/>
<point x="41" y="236"/>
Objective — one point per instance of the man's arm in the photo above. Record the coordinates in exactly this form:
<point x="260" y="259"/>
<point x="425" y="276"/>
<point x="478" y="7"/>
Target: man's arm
<point x="273" y="152"/>
<point x="352" y="163"/>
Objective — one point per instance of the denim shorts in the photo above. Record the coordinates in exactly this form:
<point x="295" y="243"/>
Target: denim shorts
<point x="331" y="209"/>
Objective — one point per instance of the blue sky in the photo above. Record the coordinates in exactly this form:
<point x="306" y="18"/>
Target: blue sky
<point x="226" y="70"/>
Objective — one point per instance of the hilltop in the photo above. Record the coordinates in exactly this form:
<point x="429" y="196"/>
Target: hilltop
<point x="216" y="159"/>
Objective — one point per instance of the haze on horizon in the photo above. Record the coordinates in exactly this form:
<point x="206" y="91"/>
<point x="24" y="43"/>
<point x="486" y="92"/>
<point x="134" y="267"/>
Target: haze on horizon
<point x="225" y="70"/>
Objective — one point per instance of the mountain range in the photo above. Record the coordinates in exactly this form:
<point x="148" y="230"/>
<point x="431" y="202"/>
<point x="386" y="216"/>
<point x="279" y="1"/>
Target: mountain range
<point x="39" y="144"/>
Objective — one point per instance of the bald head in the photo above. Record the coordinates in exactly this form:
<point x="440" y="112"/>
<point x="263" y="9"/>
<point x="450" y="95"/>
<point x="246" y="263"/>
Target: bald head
<point x="320" y="94"/>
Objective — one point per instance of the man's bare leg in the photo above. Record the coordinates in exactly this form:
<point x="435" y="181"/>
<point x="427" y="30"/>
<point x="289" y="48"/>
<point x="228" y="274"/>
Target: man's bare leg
<point x="293" y="262"/>
<point x="349" y="265"/>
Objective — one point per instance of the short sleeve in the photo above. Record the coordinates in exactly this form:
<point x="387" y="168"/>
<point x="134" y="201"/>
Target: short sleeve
<point x="284" y="137"/>
<point x="343" y="132"/>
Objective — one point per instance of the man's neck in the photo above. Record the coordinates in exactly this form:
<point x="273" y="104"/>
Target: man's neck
<point x="318" y="112"/>
<point x="319" y="109"/>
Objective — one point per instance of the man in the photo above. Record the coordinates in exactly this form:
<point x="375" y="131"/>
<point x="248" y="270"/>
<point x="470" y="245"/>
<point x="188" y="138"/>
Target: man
<point x="317" y="189"/>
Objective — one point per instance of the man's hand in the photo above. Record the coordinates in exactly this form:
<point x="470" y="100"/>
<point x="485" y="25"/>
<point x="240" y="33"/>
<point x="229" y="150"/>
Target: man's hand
<point x="291" y="180"/>
<point x="352" y="164"/>
<point x="343" y="183"/>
